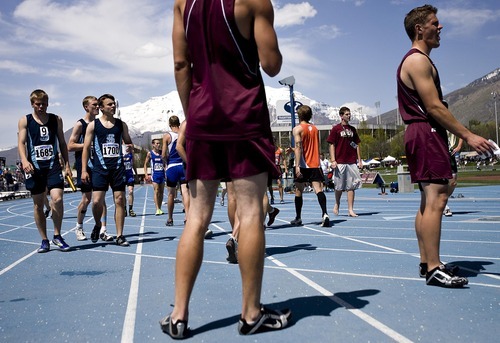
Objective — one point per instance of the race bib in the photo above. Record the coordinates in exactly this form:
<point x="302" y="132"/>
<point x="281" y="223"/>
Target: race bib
<point x="158" y="167"/>
<point x="128" y="165"/>
<point x="44" y="152"/>
<point x="110" y="150"/>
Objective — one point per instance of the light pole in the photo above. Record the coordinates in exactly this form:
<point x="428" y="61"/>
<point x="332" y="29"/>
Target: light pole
<point x="290" y="81"/>
<point x="496" y="117"/>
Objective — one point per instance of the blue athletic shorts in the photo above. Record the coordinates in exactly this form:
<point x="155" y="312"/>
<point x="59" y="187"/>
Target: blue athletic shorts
<point x="103" y="179"/>
<point x="175" y="175"/>
<point x="43" y="179"/>
<point x="129" y="178"/>
<point x="84" y="187"/>
<point x="158" y="178"/>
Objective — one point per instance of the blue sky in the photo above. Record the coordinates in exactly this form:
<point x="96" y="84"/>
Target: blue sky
<point x="339" y="51"/>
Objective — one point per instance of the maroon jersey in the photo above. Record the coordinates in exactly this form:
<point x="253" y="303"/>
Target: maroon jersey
<point x="227" y="99"/>
<point x="426" y="142"/>
<point x="343" y="137"/>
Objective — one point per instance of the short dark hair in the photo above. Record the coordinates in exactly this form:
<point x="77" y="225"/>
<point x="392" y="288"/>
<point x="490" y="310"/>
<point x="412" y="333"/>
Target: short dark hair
<point x="305" y="113"/>
<point x="38" y="94"/>
<point x="173" y="121"/>
<point x="343" y="110"/>
<point x="416" y="16"/>
<point x="103" y="97"/>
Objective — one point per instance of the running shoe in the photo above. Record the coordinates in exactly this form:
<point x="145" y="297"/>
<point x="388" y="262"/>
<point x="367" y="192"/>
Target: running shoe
<point x="272" y="216"/>
<point x="122" y="241"/>
<point x="422" y="269"/>
<point x="47" y="213"/>
<point x="59" y="241"/>
<point x="272" y="201"/>
<point x="447" y="212"/>
<point x="208" y="233"/>
<point x="269" y="320"/>
<point x="177" y="330"/>
<point x="80" y="235"/>
<point x="296" y="222"/>
<point x="282" y="201"/>
<point x="45" y="247"/>
<point x="158" y="212"/>
<point x="222" y="202"/>
<point x="325" y="221"/>
<point x="170" y="222"/>
<point x="94" y="235"/>
<point x="132" y="213"/>
<point x="105" y="237"/>
<point x="442" y="277"/>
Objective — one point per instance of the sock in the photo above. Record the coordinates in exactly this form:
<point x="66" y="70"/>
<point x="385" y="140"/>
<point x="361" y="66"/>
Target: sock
<point x="79" y="226"/>
<point x="322" y="201"/>
<point x="298" y="207"/>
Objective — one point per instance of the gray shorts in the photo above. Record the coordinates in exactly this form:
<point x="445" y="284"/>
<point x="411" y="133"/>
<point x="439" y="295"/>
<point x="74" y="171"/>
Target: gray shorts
<point x="346" y="177"/>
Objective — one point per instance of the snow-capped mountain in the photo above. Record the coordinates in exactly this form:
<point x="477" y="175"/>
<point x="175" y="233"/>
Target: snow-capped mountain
<point x="152" y="115"/>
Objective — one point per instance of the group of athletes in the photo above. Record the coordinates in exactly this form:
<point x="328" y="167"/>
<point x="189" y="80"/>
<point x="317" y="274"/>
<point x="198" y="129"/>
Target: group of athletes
<point x="103" y="159"/>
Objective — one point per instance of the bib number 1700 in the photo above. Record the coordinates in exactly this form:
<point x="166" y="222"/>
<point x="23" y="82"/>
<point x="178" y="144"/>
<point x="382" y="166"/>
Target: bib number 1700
<point x="111" y="150"/>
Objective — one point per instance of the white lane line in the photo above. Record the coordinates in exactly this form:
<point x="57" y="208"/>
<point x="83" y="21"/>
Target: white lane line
<point x="391" y="249"/>
<point x="353" y="239"/>
<point x="358" y="313"/>
<point x="128" y="330"/>
<point x="12" y="265"/>
<point x="5" y="270"/>
<point x="398" y="218"/>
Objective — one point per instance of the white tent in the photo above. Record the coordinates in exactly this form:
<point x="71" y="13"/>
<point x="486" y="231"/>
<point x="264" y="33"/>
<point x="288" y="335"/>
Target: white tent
<point x="389" y="158"/>
<point x="373" y="161"/>
<point x="365" y="163"/>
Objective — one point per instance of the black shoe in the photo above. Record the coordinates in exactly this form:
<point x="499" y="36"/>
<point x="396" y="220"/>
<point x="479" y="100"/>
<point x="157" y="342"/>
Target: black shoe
<point x="232" y="251"/>
<point x="296" y="222"/>
<point x="269" y="320"/>
<point x="272" y="216"/>
<point x="122" y="241"/>
<point x="272" y="201"/>
<point x="132" y="213"/>
<point x="442" y="277"/>
<point x="94" y="236"/>
<point x="422" y="269"/>
<point x="325" y="221"/>
<point x="105" y="237"/>
<point x="177" y="330"/>
<point x="47" y="212"/>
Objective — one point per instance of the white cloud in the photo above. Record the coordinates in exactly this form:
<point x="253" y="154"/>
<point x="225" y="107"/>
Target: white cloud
<point x="293" y="14"/>
<point x="466" y="21"/>
<point x="16" y="67"/>
<point x="130" y="35"/>
<point x="298" y="61"/>
<point x="326" y="32"/>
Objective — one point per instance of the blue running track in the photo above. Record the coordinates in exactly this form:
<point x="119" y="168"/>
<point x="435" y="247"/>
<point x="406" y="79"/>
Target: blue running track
<point x="356" y="281"/>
